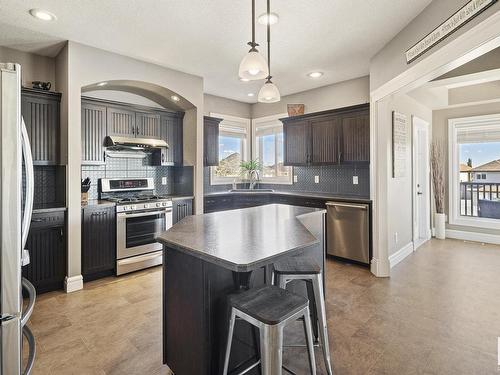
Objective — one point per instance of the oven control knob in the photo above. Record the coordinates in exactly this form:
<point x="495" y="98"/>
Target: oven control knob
<point x="158" y="204"/>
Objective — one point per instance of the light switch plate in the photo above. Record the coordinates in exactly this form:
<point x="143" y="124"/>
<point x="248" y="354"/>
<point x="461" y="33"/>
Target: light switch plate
<point x="316" y="179"/>
<point x="354" y="180"/>
<point x="163" y="180"/>
<point x="295" y="178"/>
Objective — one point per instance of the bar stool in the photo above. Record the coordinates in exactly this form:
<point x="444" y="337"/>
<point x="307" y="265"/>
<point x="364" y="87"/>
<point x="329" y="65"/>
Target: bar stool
<point x="270" y="309"/>
<point x="306" y="269"/>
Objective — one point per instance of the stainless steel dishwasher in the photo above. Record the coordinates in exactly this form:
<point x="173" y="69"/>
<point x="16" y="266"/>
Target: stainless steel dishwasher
<point x="348" y="231"/>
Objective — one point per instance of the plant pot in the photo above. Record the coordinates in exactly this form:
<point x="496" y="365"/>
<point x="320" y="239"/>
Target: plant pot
<point x="440" y="226"/>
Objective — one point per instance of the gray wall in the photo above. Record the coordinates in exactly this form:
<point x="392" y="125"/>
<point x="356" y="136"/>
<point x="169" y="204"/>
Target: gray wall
<point x="440" y="133"/>
<point x="225" y="106"/>
<point x="390" y="61"/>
<point x="34" y="67"/>
<point x="123" y="97"/>
<point x="338" y="95"/>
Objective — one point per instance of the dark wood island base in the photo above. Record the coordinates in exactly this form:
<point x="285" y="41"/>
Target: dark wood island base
<point x="206" y="258"/>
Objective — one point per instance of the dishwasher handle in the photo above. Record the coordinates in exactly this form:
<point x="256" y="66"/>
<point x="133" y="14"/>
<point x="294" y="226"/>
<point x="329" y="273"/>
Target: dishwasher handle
<point x="350" y="205"/>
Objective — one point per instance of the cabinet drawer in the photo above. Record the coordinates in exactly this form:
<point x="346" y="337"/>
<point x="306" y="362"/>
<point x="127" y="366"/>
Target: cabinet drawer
<point x="47" y="219"/>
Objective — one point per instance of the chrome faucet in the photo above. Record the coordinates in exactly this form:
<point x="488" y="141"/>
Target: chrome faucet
<point x="254" y="178"/>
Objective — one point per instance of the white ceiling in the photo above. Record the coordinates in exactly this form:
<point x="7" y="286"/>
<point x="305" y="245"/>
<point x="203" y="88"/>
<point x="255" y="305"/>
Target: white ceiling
<point x="208" y="37"/>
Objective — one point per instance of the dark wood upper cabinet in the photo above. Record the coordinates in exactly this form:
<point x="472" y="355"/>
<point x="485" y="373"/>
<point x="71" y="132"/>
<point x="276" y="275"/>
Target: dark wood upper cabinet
<point x="211" y="140"/>
<point x="325" y="140"/>
<point x="98" y="242"/>
<point x="121" y="122"/>
<point x="147" y="125"/>
<point x="297" y="147"/>
<point x="356" y="137"/>
<point x="330" y="137"/>
<point x="171" y="131"/>
<point x="41" y="113"/>
<point x="93" y="132"/>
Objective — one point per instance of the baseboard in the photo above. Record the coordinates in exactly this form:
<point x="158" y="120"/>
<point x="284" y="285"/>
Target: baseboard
<point x="378" y="269"/>
<point x="473" y="236"/>
<point x="399" y="255"/>
<point x="73" y="283"/>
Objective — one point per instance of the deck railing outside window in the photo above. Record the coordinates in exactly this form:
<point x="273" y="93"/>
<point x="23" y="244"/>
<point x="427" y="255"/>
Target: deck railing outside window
<point x="480" y="199"/>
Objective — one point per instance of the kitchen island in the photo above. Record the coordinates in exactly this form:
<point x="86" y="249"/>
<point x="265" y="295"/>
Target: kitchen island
<point x="206" y="258"/>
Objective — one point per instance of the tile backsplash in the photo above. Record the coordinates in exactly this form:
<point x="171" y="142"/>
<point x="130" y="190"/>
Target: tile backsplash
<point x="334" y="179"/>
<point x="179" y="179"/>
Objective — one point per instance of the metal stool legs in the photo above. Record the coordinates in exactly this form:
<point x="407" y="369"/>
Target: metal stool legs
<point x="317" y="282"/>
<point x="271" y="342"/>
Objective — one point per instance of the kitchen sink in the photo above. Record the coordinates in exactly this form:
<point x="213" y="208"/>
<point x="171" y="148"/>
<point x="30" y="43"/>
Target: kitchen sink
<point x="251" y="190"/>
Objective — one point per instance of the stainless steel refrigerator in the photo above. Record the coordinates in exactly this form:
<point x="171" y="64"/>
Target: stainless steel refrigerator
<point x="16" y="204"/>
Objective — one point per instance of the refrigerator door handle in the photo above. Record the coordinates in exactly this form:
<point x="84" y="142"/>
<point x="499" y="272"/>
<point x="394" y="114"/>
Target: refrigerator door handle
<point x="32" y="350"/>
<point x="28" y="202"/>
<point x="28" y="287"/>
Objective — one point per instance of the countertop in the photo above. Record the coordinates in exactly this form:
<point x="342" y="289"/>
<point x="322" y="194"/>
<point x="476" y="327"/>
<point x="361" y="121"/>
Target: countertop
<point x="306" y="194"/>
<point x="49" y="208"/>
<point x="243" y="240"/>
<point x="103" y="203"/>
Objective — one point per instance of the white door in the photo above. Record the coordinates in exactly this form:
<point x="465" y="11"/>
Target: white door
<point x="421" y="182"/>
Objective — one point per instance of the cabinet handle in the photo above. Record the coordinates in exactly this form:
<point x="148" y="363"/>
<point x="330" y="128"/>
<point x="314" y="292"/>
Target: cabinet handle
<point x="37" y="220"/>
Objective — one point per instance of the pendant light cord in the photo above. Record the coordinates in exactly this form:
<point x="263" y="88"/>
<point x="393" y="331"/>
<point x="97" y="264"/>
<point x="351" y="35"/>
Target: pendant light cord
<point x="269" y="39"/>
<point x="252" y="43"/>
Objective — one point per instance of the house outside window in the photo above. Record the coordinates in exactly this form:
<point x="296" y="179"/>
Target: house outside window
<point x="241" y="140"/>
<point x="474" y="142"/>
<point x="268" y="148"/>
<point x="234" y="146"/>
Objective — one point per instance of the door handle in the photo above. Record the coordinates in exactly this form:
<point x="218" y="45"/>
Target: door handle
<point x="419" y="193"/>
<point x="32" y="350"/>
<point x="28" y="287"/>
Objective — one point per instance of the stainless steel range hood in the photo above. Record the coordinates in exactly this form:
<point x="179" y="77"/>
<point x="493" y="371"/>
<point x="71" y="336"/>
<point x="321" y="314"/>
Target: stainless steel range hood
<point x="133" y="144"/>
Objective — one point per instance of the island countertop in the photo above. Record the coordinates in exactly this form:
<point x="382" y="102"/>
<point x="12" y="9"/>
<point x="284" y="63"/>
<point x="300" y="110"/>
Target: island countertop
<point x="245" y="239"/>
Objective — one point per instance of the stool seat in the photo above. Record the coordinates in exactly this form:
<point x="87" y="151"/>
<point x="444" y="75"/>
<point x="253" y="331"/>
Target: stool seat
<point x="268" y="304"/>
<point x="297" y="266"/>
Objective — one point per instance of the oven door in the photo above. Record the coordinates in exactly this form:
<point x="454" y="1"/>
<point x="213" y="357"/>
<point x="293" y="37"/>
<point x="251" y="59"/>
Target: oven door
<point x="136" y="232"/>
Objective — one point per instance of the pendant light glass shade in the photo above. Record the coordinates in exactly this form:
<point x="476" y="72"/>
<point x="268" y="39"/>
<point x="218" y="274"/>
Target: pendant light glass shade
<point x="269" y="93"/>
<point x="253" y="66"/>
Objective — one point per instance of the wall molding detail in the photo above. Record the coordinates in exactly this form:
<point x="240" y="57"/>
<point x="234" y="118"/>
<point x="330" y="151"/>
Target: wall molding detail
<point x="401" y="254"/>
<point x="473" y="236"/>
<point x="73" y="283"/>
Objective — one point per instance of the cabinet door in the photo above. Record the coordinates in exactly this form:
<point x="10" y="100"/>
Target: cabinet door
<point x="147" y="125"/>
<point x="181" y="209"/>
<point x="120" y="122"/>
<point x="356" y="137"/>
<point x="47" y="267"/>
<point x="93" y="133"/>
<point x="325" y="138"/>
<point x="98" y="242"/>
<point x="167" y="133"/>
<point x="41" y="115"/>
<point x="296" y="138"/>
<point x="178" y="149"/>
<point x="211" y="141"/>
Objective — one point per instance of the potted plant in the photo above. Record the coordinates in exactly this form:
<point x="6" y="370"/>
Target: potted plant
<point x="437" y="166"/>
<point x="250" y="170"/>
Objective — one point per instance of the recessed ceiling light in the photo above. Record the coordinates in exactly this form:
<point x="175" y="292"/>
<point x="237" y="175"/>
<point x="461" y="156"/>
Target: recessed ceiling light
<point x="244" y="80"/>
<point x="175" y="98"/>
<point x="100" y="84"/>
<point x="315" y="74"/>
<point x="272" y="19"/>
<point x="43" y="15"/>
<point x="251" y="94"/>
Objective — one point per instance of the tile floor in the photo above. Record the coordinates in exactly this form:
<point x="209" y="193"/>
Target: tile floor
<point x="439" y="313"/>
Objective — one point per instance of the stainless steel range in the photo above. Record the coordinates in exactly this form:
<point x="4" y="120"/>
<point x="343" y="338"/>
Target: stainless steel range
<point x="140" y="217"/>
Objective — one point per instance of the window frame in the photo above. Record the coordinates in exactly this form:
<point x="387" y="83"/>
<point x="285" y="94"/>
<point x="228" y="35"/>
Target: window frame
<point x="283" y="180"/>
<point x="454" y="125"/>
<point x="245" y="125"/>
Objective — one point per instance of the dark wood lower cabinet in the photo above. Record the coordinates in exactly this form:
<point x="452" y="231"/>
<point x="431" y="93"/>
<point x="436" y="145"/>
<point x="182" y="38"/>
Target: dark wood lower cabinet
<point x="98" y="242"/>
<point x="181" y="208"/>
<point x="47" y="248"/>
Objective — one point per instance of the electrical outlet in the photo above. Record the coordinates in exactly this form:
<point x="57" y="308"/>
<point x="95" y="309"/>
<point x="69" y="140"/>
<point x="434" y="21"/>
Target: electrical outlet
<point x="354" y="180"/>
<point x="316" y="179"/>
<point x="163" y="180"/>
<point x="295" y="178"/>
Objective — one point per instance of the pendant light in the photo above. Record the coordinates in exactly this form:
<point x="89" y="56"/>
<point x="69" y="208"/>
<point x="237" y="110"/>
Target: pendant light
<point x="253" y="66"/>
<point x="269" y="93"/>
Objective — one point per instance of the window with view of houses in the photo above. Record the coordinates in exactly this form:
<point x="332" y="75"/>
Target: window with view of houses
<point x="474" y="146"/>
<point x="239" y="140"/>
